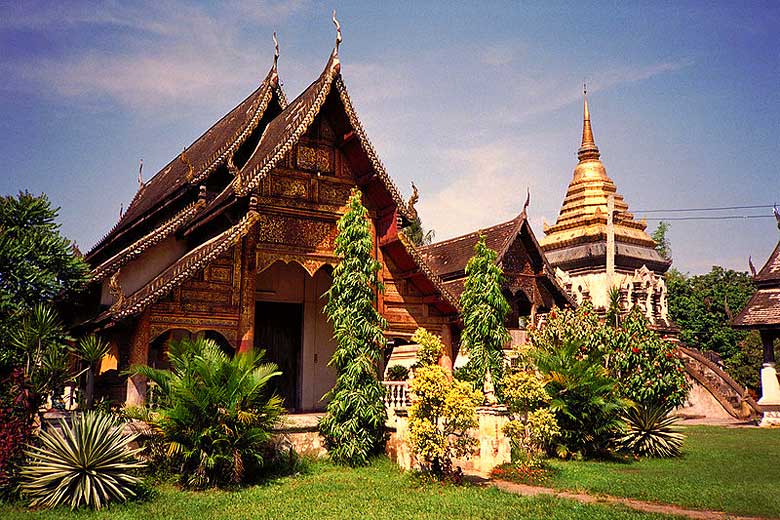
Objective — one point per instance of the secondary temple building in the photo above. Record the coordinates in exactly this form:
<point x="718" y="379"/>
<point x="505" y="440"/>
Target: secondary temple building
<point x="234" y="240"/>
<point x="596" y="245"/>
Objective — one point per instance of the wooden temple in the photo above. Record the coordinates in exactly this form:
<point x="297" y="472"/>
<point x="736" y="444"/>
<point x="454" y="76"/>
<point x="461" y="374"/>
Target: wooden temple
<point x="762" y="313"/>
<point x="596" y="245"/>
<point x="529" y="286"/>
<point x="234" y="240"/>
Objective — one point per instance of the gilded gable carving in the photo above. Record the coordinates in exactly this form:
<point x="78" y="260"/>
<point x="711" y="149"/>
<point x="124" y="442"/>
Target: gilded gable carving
<point x="315" y="159"/>
<point x="290" y="188"/>
<point x="296" y="231"/>
<point x="333" y="193"/>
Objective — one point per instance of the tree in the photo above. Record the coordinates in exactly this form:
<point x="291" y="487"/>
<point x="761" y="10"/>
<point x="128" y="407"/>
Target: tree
<point x="417" y="234"/>
<point x="37" y="264"/>
<point x="354" y="425"/>
<point x="215" y="413"/>
<point x="484" y="311"/>
<point x="662" y="243"/>
<point x="702" y="307"/>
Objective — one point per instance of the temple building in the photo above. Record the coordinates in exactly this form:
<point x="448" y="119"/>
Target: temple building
<point x="234" y="240"/>
<point x="762" y="313"/>
<point x="596" y="245"/>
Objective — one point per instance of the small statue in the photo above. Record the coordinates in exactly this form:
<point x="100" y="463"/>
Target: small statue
<point x="115" y="290"/>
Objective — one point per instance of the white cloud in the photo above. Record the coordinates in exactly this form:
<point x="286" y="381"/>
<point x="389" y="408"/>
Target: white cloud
<point x="169" y="53"/>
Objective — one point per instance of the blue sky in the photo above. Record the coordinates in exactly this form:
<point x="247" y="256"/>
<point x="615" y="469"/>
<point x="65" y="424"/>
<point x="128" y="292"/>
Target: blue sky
<point x="474" y="101"/>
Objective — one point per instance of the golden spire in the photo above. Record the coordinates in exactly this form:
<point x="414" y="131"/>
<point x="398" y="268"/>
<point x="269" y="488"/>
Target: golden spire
<point x="588" y="149"/>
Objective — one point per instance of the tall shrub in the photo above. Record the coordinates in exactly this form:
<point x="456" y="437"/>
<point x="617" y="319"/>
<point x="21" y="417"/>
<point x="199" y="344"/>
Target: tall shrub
<point x="354" y="425"/>
<point x="442" y="411"/>
<point x="215" y="412"/>
<point x="484" y="311"/>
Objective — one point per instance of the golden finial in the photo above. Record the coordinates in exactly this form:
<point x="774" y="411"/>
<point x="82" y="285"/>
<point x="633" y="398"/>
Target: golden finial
<point x="412" y="201"/>
<point x="276" y="50"/>
<point x="527" y="199"/>
<point x="338" y="31"/>
<point x="588" y="148"/>
<point x="752" y="267"/>
<point x="141" y="175"/>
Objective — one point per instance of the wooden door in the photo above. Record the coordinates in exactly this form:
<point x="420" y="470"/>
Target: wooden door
<point x="278" y="332"/>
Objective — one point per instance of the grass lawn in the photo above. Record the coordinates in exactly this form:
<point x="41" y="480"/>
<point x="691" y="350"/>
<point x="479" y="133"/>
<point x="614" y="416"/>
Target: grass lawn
<point x="736" y="470"/>
<point x="329" y="492"/>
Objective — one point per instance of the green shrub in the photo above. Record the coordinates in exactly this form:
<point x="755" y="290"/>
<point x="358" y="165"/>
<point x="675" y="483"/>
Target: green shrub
<point x="430" y="347"/>
<point x="354" y="426"/>
<point x="533" y="426"/>
<point x="397" y="373"/>
<point x="441" y="414"/>
<point x="215" y="413"/>
<point x="584" y="399"/>
<point x="87" y="463"/>
<point x="651" y="432"/>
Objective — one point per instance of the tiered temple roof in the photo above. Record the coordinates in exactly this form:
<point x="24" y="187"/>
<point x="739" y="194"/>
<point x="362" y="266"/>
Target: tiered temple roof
<point x="763" y="308"/>
<point x="578" y="238"/>
<point x="448" y="258"/>
<point x="205" y="197"/>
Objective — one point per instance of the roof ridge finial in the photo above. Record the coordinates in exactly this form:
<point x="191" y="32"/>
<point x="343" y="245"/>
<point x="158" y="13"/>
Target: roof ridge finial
<point x="588" y="148"/>
<point x="276" y="50"/>
<point x="338" y="33"/>
<point x="141" y="174"/>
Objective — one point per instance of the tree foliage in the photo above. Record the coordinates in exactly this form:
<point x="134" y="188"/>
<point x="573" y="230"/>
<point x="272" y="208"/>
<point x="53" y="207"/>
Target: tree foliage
<point x="484" y="311"/>
<point x="442" y="411"/>
<point x="215" y="413"/>
<point x="417" y="234"/>
<point x="37" y="263"/>
<point x="354" y="425"/>
<point x="662" y="243"/>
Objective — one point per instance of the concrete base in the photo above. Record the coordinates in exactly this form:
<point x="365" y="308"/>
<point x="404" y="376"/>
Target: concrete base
<point x="770" y="419"/>
<point x="300" y="432"/>
<point x="770" y="386"/>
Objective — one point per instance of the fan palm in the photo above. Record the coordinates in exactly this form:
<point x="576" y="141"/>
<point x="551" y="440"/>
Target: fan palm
<point x="215" y="413"/>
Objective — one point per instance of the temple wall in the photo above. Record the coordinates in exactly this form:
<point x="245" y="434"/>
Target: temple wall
<point x="140" y="271"/>
<point x="642" y="288"/>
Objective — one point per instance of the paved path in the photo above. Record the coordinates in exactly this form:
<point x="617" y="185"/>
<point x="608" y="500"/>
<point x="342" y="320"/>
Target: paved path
<point x="639" y="505"/>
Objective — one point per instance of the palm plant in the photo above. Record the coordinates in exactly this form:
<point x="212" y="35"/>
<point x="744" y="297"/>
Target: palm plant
<point x="87" y="463"/>
<point x="91" y="350"/>
<point x="651" y="431"/>
<point x="41" y="344"/>
<point x="215" y="413"/>
<point x="584" y="399"/>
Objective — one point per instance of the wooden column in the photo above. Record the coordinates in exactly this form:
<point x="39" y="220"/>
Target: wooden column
<point x="246" y="317"/>
<point x="445" y="361"/>
<point x="768" y="341"/>
<point x="139" y="355"/>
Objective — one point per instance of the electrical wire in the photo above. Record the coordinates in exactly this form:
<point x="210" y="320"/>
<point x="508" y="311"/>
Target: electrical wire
<point x="725" y="208"/>
<point x="720" y="217"/>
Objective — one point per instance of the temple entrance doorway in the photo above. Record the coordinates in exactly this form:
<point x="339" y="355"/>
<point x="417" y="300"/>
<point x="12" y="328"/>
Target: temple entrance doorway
<point x="278" y="332"/>
<point x="291" y="326"/>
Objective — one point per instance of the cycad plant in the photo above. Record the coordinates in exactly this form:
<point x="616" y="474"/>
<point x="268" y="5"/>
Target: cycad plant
<point x="87" y="464"/>
<point x="215" y="413"/>
<point x="651" y="432"/>
<point x="91" y="349"/>
<point x="584" y="399"/>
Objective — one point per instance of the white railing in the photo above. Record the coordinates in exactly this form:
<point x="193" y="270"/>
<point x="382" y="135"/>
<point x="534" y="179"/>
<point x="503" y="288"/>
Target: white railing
<point x="397" y="395"/>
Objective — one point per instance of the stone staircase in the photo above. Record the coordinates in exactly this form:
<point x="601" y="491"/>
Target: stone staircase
<point x="730" y="394"/>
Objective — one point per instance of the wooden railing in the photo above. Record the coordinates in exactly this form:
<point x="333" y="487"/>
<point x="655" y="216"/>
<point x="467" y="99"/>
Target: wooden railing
<point x="397" y="396"/>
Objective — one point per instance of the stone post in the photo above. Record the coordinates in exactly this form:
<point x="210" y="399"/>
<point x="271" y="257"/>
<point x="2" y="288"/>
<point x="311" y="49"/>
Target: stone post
<point x="494" y="447"/>
<point x="770" y="387"/>
<point x="139" y="355"/>
<point x="246" y="311"/>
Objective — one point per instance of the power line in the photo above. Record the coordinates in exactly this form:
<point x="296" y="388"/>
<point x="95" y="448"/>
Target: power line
<point x="719" y="217"/>
<point x="725" y="208"/>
